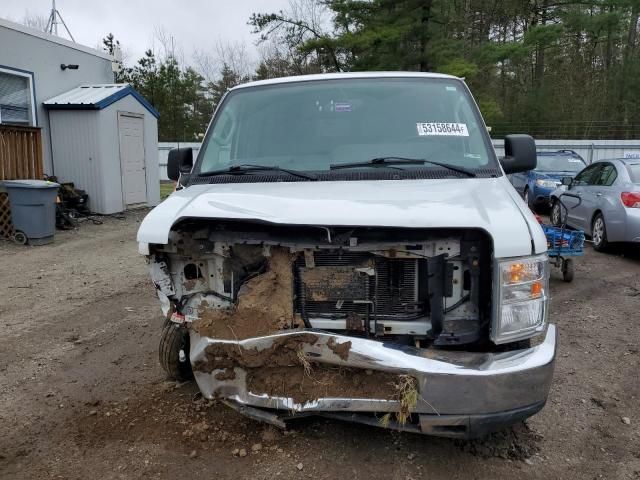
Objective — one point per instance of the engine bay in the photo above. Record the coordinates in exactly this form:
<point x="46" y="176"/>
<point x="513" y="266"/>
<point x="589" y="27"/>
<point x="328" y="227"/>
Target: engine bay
<point x="242" y="280"/>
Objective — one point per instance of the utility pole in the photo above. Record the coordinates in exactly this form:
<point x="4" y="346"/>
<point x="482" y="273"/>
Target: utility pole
<point x="55" y="18"/>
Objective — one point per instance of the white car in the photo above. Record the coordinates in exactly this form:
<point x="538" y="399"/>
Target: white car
<point x="348" y="245"/>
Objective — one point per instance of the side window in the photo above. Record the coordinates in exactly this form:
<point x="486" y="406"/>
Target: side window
<point x="587" y="176"/>
<point x="607" y="175"/>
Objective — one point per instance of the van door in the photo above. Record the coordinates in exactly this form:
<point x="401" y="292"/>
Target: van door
<point x="581" y="187"/>
<point x="606" y="199"/>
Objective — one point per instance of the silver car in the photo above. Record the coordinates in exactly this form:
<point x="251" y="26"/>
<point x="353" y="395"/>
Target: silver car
<point x="603" y="200"/>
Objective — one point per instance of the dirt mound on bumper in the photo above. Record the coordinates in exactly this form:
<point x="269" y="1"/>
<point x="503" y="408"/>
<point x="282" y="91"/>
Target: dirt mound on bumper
<point x="265" y="304"/>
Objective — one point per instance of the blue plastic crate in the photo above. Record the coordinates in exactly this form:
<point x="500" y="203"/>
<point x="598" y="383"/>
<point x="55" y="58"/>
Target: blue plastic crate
<point x="563" y="242"/>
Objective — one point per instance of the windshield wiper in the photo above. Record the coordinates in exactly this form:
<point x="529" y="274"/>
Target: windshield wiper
<point x="391" y="161"/>
<point x="248" y="168"/>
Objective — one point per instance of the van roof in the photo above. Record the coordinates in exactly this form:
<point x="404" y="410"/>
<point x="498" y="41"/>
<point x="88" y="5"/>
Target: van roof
<point x="337" y="76"/>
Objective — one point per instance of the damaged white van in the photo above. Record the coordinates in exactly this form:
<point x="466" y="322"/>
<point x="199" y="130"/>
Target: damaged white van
<point x="348" y="245"/>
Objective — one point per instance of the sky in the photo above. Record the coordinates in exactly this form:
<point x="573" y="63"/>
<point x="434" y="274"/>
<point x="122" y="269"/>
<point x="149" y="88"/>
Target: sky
<point x="194" y="24"/>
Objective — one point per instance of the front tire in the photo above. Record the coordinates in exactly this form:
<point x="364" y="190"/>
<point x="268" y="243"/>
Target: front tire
<point x="556" y="214"/>
<point x="567" y="270"/>
<point x="173" y="339"/>
<point x="599" y="233"/>
<point x="527" y="199"/>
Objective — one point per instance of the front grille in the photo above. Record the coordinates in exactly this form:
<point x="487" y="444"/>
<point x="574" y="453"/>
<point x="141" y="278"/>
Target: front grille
<point x="342" y="284"/>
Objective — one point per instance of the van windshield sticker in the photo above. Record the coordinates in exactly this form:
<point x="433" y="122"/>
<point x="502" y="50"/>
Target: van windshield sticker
<point x="437" y="128"/>
<point x="342" y="107"/>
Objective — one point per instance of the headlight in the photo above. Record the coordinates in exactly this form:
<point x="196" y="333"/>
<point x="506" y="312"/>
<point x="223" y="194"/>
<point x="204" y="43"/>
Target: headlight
<point x="547" y="183"/>
<point x="521" y="298"/>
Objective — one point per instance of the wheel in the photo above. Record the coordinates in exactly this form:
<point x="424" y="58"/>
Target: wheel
<point x="556" y="214"/>
<point x="567" y="270"/>
<point x="599" y="233"/>
<point x="20" y="238"/>
<point x="173" y="339"/>
<point x="527" y="198"/>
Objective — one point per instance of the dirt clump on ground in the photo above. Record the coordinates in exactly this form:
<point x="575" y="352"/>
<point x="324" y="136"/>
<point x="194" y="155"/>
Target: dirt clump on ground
<point x="518" y="442"/>
<point x="264" y="304"/>
<point x="322" y="382"/>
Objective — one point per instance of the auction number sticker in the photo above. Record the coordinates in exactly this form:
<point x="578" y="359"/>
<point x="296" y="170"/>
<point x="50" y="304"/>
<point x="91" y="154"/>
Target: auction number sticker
<point x="436" y="128"/>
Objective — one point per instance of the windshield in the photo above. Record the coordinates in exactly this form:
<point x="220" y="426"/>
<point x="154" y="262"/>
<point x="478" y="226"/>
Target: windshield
<point x="559" y="163"/>
<point x="311" y="125"/>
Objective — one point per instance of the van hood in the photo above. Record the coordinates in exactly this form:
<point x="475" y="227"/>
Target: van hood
<point x="490" y="204"/>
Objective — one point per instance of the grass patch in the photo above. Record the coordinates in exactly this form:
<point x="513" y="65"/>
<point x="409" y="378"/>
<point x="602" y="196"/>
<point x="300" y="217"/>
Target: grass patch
<point x="406" y="393"/>
<point x="302" y="358"/>
<point x="166" y="189"/>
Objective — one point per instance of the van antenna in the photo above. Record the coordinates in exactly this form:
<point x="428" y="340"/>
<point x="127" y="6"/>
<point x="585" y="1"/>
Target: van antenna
<point x="55" y="18"/>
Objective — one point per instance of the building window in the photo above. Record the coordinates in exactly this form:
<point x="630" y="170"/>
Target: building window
<point x="17" y="102"/>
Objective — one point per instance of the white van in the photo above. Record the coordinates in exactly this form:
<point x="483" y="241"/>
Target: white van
<point x="348" y="245"/>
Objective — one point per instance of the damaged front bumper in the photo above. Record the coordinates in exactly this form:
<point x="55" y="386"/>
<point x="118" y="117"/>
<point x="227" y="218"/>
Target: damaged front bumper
<point x="461" y="394"/>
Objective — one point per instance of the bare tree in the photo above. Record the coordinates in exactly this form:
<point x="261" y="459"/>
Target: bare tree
<point x="278" y="59"/>
<point x="168" y="47"/>
<point x="33" y="20"/>
<point x="233" y="55"/>
<point x="206" y="65"/>
<point x="304" y="23"/>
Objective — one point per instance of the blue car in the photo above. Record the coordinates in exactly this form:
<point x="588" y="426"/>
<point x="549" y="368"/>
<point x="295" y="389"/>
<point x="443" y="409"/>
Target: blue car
<point x="536" y="186"/>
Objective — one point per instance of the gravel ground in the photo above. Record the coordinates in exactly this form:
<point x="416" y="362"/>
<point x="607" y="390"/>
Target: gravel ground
<point x="82" y="395"/>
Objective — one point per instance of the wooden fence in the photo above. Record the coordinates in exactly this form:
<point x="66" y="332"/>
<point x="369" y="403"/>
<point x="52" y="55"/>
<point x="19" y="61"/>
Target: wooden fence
<point x="20" y="153"/>
<point x="20" y="159"/>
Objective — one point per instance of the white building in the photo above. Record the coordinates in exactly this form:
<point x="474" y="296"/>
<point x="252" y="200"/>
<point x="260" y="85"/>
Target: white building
<point x="84" y="128"/>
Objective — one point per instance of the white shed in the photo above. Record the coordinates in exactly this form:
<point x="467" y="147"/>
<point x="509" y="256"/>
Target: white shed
<point x="104" y="139"/>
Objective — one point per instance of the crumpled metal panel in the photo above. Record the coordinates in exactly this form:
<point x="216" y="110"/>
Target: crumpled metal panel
<point x="449" y="382"/>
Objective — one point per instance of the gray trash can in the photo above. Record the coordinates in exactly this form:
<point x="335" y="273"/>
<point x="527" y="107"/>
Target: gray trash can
<point x="33" y="210"/>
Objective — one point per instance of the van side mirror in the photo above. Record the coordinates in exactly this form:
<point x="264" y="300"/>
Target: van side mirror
<point x="567" y="181"/>
<point x="520" y="154"/>
<point x="180" y="161"/>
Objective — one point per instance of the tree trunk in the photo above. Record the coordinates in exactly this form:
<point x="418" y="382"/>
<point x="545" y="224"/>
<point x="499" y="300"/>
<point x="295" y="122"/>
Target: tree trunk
<point x="424" y="34"/>
<point x="540" y="48"/>
<point x="627" y="59"/>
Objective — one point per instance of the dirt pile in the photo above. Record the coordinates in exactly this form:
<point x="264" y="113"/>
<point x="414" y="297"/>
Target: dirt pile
<point x="264" y="305"/>
<point x="283" y="370"/>
<point x="340" y="349"/>
<point x="321" y="381"/>
<point x="284" y="352"/>
<point x="518" y="442"/>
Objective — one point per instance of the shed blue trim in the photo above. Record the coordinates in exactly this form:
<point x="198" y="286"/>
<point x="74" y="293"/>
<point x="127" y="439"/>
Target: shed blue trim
<point x="120" y="94"/>
<point x="105" y="102"/>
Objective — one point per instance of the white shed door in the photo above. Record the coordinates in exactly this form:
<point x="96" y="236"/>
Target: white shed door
<point x="134" y="178"/>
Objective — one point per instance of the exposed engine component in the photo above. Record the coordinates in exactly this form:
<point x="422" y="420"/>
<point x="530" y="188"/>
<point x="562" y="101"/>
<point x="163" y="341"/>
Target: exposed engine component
<point x="422" y="285"/>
